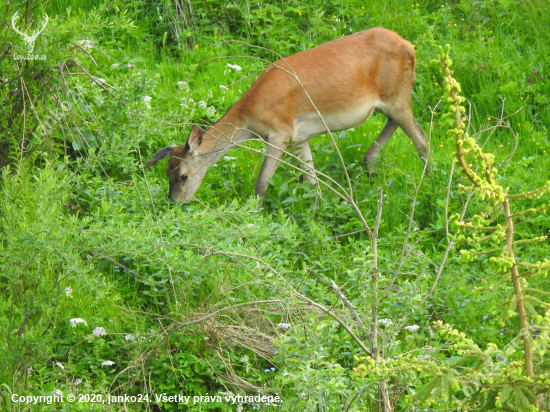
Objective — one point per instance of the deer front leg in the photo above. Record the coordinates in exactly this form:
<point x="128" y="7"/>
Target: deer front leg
<point x="273" y="154"/>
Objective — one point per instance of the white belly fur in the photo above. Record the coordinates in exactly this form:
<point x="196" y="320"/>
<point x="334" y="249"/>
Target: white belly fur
<point x="310" y="125"/>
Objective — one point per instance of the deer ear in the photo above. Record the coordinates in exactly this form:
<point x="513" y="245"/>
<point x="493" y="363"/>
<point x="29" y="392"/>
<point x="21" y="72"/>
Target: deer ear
<point x="195" y="138"/>
<point x="161" y="154"/>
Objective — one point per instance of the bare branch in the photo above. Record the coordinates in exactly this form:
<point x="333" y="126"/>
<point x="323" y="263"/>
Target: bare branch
<point x="348" y="305"/>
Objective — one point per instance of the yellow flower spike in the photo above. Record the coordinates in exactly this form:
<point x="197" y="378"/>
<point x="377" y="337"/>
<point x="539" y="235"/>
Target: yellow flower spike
<point x="196" y="46"/>
<point x="359" y="149"/>
<point x="300" y="14"/>
<point x="363" y="7"/>
<point x="403" y="155"/>
<point x="364" y="134"/>
<point x="521" y="97"/>
<point x="441" y="145"/>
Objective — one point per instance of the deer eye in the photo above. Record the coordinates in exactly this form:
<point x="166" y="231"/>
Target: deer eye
<point x="183" y="178"/>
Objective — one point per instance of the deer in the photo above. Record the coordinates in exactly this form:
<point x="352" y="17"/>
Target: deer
<point x="335" y="86"/>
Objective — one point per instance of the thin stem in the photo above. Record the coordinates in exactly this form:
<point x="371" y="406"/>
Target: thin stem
<point x="528" y="355"/>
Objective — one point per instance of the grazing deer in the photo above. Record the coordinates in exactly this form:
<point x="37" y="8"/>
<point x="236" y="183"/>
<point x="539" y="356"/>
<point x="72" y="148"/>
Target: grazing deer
<point x="346" y="79"/>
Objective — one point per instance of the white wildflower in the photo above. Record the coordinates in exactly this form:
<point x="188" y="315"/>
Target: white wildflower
<point x="129" y="65"/>
<point x="60" y="365"/>
<point x="85" y="44"/>
<point x="183" y="85"/>
<point x="76" y="321"/>
<point x="29" y="370"/>
<point x="385" y="321"/>
<point x="114" y="65"/>
<point x="284" y="325"/>
<point x="57" y="392"/>
<point x="202" y="104"/>
<point x="191" y="100"/>
<point x="107" y="363"/>
<point x="100" y="80"/>
<point x="68" y="291"/>
<point x="77" y="382"/>
<point x="234" y="67"/>
<point x="223" y="87"/>
<point x="129" y="338"/>
<point x="228" y="158"/>
<point x="211" y="111"/>
<point x="412" y="328"/>
<point x="147" y="101"/>
<point x="99" y="331"/>
<point x="245" y="360"/>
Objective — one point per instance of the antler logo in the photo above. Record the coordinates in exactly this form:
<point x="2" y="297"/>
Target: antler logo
<point x="28" y="39"/>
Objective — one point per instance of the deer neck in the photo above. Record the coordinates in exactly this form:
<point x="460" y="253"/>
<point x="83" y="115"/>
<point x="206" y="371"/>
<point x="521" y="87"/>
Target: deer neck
<point x="224" y="135"/>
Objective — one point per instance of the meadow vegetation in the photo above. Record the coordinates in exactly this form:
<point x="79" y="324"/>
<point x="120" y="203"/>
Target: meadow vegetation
<point x="107" y="287"/>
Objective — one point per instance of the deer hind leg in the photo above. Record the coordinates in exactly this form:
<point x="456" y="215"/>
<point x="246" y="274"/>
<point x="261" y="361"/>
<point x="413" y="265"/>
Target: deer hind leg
<point x="407" y="122"/>
<point x="303" y="151"/>
<point x="404" y="119"/>
<point x="371" y="155"/>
